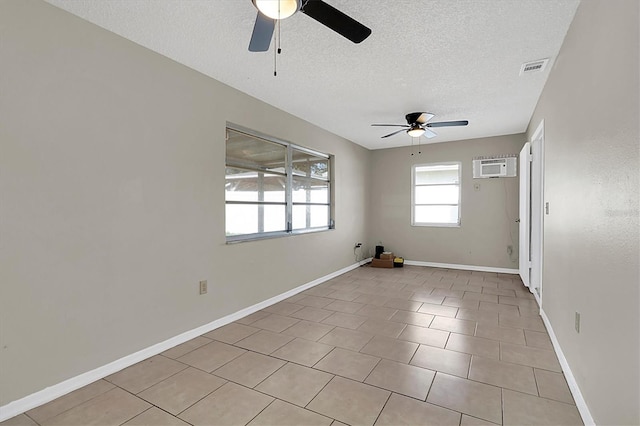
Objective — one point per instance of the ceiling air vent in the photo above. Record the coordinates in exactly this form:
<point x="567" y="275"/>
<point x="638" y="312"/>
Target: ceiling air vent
<point x="534" y="66"/>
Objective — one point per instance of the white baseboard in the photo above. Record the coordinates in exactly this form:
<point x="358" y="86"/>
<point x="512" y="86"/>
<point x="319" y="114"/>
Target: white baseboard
<point x="463" y="267"/>
<point x="571" y="380"/>
<point x="50" y="393"/>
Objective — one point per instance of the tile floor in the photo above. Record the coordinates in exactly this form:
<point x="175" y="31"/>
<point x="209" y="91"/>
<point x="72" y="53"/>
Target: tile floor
<point x="403" y="346"/>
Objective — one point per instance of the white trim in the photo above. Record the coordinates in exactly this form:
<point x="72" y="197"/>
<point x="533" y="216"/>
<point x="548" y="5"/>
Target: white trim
<point x="581" y="404"/>
<point x="50" y="393"/>
<point x="463" y="267"/>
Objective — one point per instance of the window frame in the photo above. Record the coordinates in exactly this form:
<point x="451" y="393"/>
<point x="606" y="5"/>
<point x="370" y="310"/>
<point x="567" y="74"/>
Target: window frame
<point x="289" y="176"/>
<point x="456" y="224"/>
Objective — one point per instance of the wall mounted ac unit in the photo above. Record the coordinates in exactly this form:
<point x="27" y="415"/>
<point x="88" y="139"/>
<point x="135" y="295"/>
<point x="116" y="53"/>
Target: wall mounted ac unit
<point x="495" y="167"/>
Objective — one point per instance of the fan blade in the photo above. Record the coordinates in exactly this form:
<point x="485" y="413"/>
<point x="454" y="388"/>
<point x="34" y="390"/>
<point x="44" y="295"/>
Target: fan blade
<point x="424" y="117"/>
<point x="392" y="125"/>
<point x="429" y="133"/>
<point x="394" y="133"/>
<point x="336" y="20"/>
<point x="262" y="34"/>
<point x="448" y="123"/>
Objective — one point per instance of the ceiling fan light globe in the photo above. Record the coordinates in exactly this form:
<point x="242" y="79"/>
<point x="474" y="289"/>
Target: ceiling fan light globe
<point x="415" y="132"/>
<point x="277" y="9"/>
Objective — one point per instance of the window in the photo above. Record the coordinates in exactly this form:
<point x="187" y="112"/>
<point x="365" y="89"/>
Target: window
<point x="274" y="188"/>
<point x="435" y="194"/>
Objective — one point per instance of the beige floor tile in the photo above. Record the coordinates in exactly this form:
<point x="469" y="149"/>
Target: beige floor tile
<point x="402" y="304"/>
<point x="283" y="308"/>
<point x="529" y="323"/>
<point x="343" y="320"/>
<point x="311" y="314"/>
<point x="445" y="311"/>
<point x="405" y="379"/>
<point x="346" y="338"/>
<point x="379" y="312"/>
<point x="308" y="330"/>
<point x="102" y="410"/>
<point x="344" y="295"/>
<point x="303" y="352"/>
<point x="553" y="386"/>
<point x="502" y="334"/>
<point x="518" y="301"/>
<point x="427" y="298"/>
<point x="466" y="396"/>
<point x="231" y="333"/>
<point x="499" y="291"/>
<point x="461" y="303"/>
<point x="424" y="336"/>
<point x="178" y="392"/>
<point x="473" y="287"/>
<point x="70" y="400"/>
<point x="533" y="357"/>
<point x="211" y="356"/>
<point x="349" y="364"/>
<point x="186" y="347"/>
<point x="503" y="374"/>
<point x="403" y="411"/>
<point x="453" y="324"/>
<point x="318" y="290"/>
<point x="315" y="301"/>
<point x="529" y="312"/>
<point x="437" y="359"/>
<point x="382" y="327"/>
<point x="344" y="306"/>
<point x="481" y="317"/>
<point x="470" y="295"/>
<point x="295" y="383"/>
<point x="275" y="323"/>
<point x="371" y="299"/>
<point x="447" y="292"/>
<point x="473" y="345"/>
<point x="281" y="413"/>
<point x="155" y="417"/>
<point x="231" y="404"/>
<point x="413" y="318"/>
<point x="497" y="307"/>
<point x="249" y="369"/>
<point x="538" y="339"/>
<point x="249" y="319"/>
<point x="145" y="374"/>
<point x="474" y="421"/>
<point x="523" y="409"/>
<point x="19" y="420"/>
<point x="264" y="342"/>
<point x="350" y="402"/>
<point x="392" y="349"/>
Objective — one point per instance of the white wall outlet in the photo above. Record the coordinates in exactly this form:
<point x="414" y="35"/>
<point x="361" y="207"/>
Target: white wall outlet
<point x="577" y="322"/>
<point x="203" y="287"/>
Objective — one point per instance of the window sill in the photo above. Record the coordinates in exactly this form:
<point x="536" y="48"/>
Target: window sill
<point x="271" y="235"/>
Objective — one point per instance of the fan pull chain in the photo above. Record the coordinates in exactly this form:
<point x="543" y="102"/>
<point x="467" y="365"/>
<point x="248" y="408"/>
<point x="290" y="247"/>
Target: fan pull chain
<point x="277" y="50"/>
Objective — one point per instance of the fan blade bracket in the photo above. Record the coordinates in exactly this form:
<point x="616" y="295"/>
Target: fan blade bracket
<point x="336" y="20"/>
<point x="391" y="125"/>
<point x="393" y="133"/>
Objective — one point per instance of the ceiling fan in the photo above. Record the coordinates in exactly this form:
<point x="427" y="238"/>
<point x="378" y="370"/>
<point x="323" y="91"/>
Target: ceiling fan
<point x="417" y="125"/>
<point x="270" y="11"/>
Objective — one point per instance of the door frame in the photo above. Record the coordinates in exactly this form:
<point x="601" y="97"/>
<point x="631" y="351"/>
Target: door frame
<point x="537" y="226"/>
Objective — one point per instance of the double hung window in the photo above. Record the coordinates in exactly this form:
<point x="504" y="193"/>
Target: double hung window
<point x="274" y="188"/>
<point x="435" y="194"/>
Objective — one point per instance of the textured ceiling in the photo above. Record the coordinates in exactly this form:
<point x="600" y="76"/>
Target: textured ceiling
<point x="457" y="59"/>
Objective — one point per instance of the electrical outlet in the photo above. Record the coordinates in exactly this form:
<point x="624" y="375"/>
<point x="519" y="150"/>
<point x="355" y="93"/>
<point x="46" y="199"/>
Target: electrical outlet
<point x="577" y="322"/>
<point x="358" y="245"/>
<point x="203" y="287"/>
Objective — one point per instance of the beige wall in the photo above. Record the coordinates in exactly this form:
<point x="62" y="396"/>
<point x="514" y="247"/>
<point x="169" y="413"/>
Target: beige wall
<point x="591" y="236"/>
<point x="112" y="203"/>
<point x="487" y="217"/>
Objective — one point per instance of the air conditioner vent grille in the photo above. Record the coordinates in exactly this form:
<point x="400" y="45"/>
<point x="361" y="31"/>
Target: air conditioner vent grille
<point x="534" y="66"/>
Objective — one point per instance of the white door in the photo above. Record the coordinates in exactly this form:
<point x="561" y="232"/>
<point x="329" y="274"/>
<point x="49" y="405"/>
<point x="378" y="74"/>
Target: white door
<point x="524" y="228"/>
<point x="537" y="211"/>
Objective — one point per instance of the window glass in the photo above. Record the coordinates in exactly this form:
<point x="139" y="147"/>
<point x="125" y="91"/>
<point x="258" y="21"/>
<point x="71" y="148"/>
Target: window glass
<point x="435" y="196"/>
<point x="274" y="188"/>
